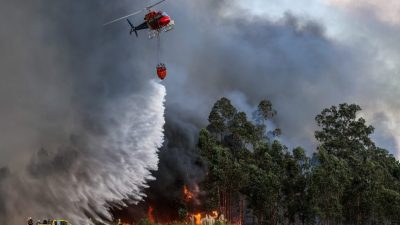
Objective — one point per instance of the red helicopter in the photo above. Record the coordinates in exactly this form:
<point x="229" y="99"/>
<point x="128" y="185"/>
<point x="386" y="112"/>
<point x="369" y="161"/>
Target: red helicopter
<point x="156" y="22"/>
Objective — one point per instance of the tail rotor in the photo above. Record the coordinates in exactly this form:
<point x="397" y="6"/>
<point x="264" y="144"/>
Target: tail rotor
<point x="133" y="28"/>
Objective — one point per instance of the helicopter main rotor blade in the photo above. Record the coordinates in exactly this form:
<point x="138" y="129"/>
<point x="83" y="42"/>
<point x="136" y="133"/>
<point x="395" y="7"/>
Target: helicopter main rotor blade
<point x="151" y="6"/>
<point x="132" y="14"/>
<point x="135" y="13"/>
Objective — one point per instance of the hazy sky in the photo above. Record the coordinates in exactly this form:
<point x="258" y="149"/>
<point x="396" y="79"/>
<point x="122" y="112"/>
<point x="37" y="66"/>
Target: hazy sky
<point x="369" y="27"/>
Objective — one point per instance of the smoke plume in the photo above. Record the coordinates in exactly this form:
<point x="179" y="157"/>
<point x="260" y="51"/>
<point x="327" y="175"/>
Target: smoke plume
<point x="220" y="49"/>
<point x="77" y="105"/>
<point x="81" y="123"/>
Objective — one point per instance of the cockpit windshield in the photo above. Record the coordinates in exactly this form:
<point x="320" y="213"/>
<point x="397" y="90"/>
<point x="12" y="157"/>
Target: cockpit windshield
<point x="164" y="14"/>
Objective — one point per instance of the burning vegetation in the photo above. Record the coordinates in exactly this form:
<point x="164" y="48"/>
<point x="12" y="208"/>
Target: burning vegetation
<point x="150" y="215"/>
<point x="189" y="212"/>
<point x="252" y="178"/>
<point x="187" y="194"/>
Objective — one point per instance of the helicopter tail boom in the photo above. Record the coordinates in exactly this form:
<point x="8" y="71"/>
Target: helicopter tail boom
<point x="133" y="28"/>
<point x="142" y="26"/>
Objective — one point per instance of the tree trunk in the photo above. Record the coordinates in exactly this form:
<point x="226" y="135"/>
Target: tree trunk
<point x="241" y="210"/>
<point x="225" y="204"/>
<point x="358" y="211"/>
<point x="229" y="206"/>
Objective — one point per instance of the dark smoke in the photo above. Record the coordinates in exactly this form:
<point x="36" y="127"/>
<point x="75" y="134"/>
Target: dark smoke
<point x="81" y="121"/>
<point x="290" y="61"/>
<point x="68" y="86"/>
<point x="218" y="49"/>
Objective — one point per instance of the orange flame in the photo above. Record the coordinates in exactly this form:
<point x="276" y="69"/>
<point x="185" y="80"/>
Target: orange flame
<point x="150" y="214"/>
<point x="197" y="218"/>
<point x="214" y="214"/>
<point x="187" y="194"/>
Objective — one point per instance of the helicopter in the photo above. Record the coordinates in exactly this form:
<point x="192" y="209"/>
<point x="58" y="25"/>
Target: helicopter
<point x="156" y="22"/>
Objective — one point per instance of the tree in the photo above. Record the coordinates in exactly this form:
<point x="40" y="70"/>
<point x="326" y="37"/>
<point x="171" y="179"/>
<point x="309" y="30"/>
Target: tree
<point x="359" y="173"/>
<point x="222" y="112"/>
<point x="264" y="189"/>
<point x="297" y="198"/>
<point x="227" y="146"/>
<point x="329" y="180"/>
<point x="343" y="134"/>
<point x="349" y="180"/>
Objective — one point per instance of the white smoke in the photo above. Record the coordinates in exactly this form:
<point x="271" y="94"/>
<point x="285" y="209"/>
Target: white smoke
<point x="83" y="177"/>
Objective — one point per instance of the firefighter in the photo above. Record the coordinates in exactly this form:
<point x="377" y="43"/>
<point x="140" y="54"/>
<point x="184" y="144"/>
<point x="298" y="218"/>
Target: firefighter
<point x="30" y="221"/>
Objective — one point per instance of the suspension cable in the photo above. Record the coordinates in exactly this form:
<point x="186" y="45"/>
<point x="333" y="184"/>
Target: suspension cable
<point x="158" y="48"/>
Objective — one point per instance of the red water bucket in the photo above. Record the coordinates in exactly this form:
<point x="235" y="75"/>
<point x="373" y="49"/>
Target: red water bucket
<point x="161" y="71"/>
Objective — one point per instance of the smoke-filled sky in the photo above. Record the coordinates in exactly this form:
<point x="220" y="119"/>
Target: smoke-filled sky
<point x="81" y="115"/>
<point x="80" y="122"/>
<point x="302" y="55"/>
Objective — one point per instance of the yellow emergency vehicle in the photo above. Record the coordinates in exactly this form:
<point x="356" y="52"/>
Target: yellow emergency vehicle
<point x="56" y="222"/>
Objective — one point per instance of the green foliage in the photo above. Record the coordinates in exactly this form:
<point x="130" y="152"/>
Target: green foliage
<point x="219" y="223"/>
<point x="342" y="132"/>
<point x="178" y="223"/>
<point x="182" y="213"/>
<point x="264" y="111"/>
<point x="221" y="113"/>
<point x="327" y="185"/>
<point x="347" y="181"/>
<point x="353" y="179"/>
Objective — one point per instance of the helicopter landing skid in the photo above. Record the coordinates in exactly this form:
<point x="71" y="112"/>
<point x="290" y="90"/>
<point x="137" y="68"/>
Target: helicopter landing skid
<point x="153" y="33"/>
